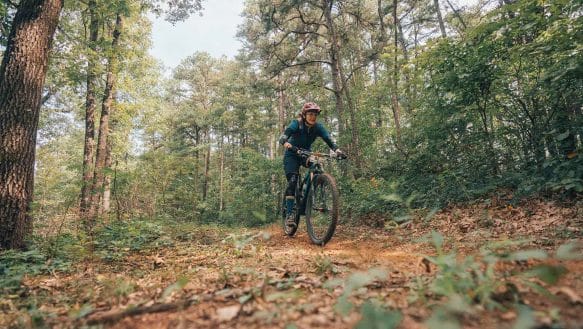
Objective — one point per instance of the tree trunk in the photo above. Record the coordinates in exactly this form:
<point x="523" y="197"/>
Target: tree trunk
<point x="90" y="105"/>
<point x="207" y="164"/>
<point x="335" y="63"/>
<point x="221" y="178"/>
<point x="280" y="112"/>
<point x="489" y="138"/>
<point x="195" y="180"/>
<point x="272" y="145"/>
<point x="106" y="108"/>
<point x="439" y="18"/>
<point x="355" y="148"/>
<point x="106" y="204"/>
<point x="395" y="84"/>
<point x="22" y="75"/>
<point x="382" y="44"/>
<point x="382" y="26"/>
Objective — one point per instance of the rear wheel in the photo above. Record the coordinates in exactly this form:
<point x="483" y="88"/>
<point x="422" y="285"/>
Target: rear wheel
<point x="322" y="209"/>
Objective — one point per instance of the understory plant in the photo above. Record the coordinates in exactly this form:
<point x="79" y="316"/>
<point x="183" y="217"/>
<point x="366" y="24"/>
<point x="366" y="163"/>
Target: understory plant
<point x="491" y="279"/>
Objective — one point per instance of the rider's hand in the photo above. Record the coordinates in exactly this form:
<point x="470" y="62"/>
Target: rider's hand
<point x="287" y="145"/>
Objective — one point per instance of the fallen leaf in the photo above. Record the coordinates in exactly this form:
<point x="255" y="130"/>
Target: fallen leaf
<point x="228" y="313"/>
<point x="320" y="319"/>
<point x="511" y="315"/>
<point x="573" y="297"/>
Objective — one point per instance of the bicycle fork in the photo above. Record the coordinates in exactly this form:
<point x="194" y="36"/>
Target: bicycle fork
<point x="302" y="196"/>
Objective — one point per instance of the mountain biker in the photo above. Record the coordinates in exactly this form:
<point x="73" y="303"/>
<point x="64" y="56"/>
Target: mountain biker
<point x="301" y="133"/>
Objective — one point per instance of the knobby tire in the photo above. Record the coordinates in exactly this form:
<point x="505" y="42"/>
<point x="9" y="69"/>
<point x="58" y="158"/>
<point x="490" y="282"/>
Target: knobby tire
<point x="322" y="206"/>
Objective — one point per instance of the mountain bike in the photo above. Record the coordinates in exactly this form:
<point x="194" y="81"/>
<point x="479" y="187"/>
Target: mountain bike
<point x="316" y="197"/>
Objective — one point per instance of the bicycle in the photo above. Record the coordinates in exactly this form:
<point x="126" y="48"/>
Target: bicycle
<point x="316" y="197"/>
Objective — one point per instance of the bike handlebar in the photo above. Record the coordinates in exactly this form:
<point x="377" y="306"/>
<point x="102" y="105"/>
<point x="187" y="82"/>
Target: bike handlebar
<point x="307" y="153"/>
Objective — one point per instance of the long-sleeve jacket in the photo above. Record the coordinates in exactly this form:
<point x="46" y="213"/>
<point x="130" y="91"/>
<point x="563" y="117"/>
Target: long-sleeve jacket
<point x="301" y="135"/>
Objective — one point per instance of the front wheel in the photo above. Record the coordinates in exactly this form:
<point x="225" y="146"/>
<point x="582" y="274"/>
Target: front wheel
<point x="322" y="209"/>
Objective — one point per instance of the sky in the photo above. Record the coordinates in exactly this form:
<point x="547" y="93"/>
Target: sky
<point x="213" y="32"/>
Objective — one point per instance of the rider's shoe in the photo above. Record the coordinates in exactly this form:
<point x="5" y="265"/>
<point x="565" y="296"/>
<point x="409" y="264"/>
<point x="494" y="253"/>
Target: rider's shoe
<point x="290" y="221"/>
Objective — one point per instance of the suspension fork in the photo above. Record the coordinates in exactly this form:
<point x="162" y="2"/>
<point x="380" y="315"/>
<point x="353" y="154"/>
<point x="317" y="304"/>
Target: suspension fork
<point x="303" y="190"/>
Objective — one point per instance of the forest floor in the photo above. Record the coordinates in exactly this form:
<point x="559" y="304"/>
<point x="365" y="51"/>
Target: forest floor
<point x="212" y="277"/>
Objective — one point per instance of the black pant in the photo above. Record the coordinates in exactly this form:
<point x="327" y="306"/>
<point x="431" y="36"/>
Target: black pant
<point x="292" y="181"/>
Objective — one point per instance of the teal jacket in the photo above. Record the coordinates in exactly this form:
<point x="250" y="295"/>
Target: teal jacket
<point x="300" y="135"/>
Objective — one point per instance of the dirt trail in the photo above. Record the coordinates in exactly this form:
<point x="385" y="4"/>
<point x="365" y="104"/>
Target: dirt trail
<point x="213" y="277"/>
<point x="285" y="277"/>
<point x="280" y="283"/>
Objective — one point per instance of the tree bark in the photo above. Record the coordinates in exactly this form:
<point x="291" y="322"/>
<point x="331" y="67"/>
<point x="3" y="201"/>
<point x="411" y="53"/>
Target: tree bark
<point x="355" y="147"/>
<point x="106" y="108"/>
<point x="207" y="164"/>
<point x="90" y="106"/>
<point x="22" y="75"/>
<point x="106" y="204"/>
<point x="221" y="178"/>
<point x="280" y="113"/>
<point x="382" y="26"/>
<point x="439" y="18"/>
<point x="395" y="84"/>
<point x="335" y="63"/>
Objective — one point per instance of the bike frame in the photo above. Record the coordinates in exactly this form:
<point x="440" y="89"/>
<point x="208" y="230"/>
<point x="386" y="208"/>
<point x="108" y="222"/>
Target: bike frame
<point x="303" y="189"/>
<point x="303" y="196"/>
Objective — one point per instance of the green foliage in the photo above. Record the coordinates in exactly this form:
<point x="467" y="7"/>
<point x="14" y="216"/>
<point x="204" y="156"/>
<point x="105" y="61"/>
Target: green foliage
<point x="370" y="195"/>
<point x="490" y="118"/>
<point x="14" y="265"/>
<point x="64" y="246"/>
<point x="375" y="317"/>
<point x="178" y="285"/>
<point x="526" y="319"/>
<point x="481" y="280"/>
<point x="113" y="242"/>
<point x="242" y="242"/>
<point x="252" y="195"/>
<point x="565" y="175"/>
<point x="324" y="265"/>
<point x="476" y="114"/>
<point x="6" y="16"/>
<point x="353" y="283"/>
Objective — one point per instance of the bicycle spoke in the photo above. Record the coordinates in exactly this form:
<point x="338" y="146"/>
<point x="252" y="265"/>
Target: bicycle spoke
<point x="322" y="216"/>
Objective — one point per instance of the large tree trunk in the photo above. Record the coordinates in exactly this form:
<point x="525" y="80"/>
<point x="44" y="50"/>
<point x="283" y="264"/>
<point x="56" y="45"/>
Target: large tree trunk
<point x="90" y="105"/>
<point x="22" y="75"/>
<point x="106" y="108"/>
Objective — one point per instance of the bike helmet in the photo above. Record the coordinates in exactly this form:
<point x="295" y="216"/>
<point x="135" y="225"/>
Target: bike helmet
<point x="310" y="107"/>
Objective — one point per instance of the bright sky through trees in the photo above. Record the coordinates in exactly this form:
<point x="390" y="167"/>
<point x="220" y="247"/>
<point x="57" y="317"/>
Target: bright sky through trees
<point x="213" y="32"/>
